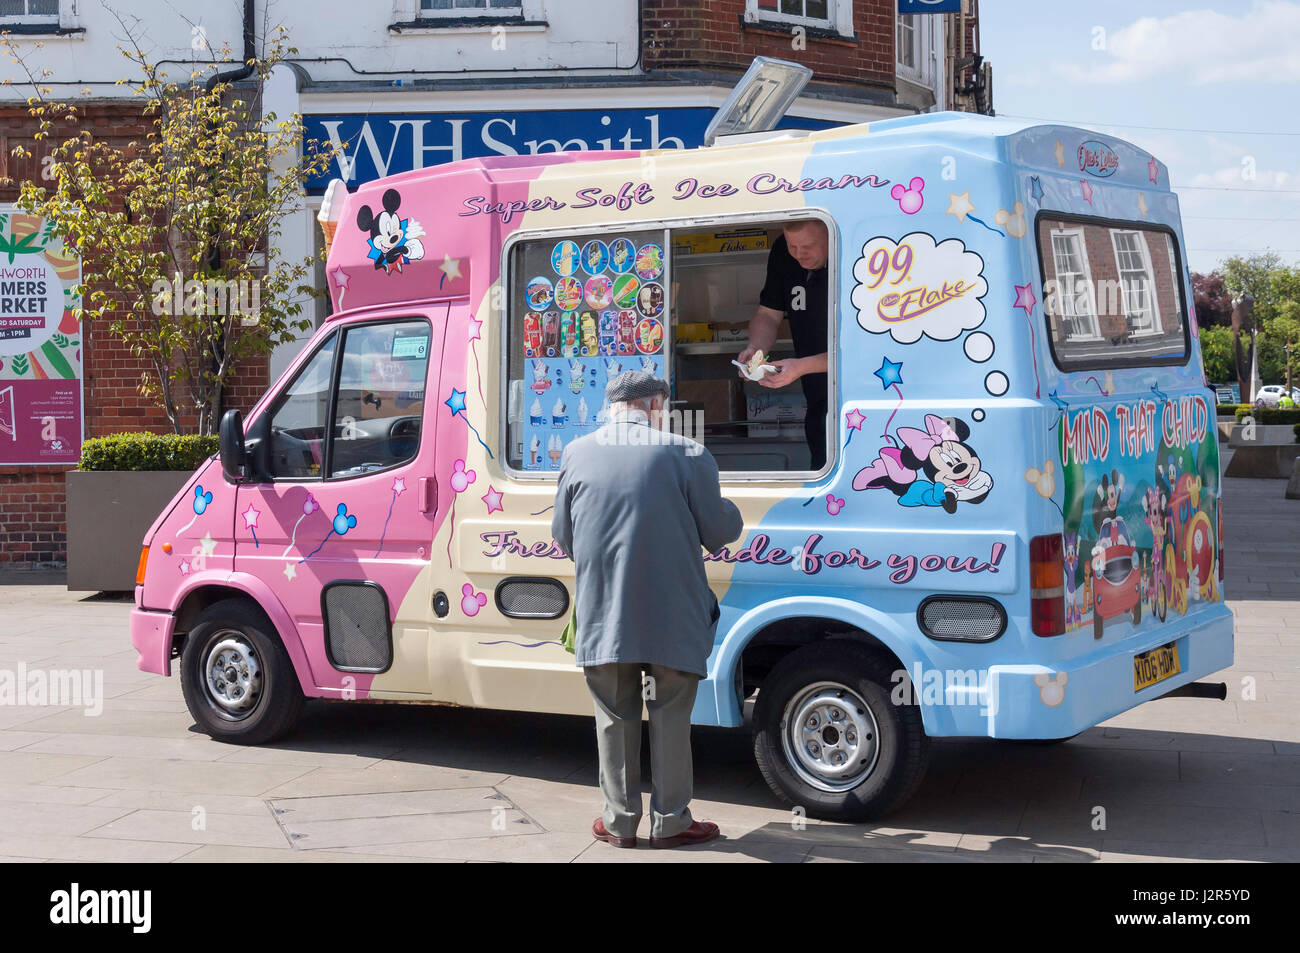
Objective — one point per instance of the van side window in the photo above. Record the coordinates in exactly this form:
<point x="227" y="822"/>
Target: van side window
<point x="675" y="301"/>
<point x="298" y="423"/>
<point x="1112" y="294"/>
<point x="380" y="402"/>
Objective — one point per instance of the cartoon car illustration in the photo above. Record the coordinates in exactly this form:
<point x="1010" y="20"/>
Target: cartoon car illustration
<point x="1190" y="550"/>
<point x="1116" y="579"/>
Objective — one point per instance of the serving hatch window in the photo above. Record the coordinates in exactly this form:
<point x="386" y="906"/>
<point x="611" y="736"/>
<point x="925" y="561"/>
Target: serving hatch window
<point x="1111" y="293"/>
<point x="582" y="308"/>
<point x="675" y="301"/>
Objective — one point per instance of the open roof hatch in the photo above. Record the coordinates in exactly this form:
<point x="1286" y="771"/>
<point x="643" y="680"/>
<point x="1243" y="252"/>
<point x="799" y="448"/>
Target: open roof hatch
<point x="760" y="99"/>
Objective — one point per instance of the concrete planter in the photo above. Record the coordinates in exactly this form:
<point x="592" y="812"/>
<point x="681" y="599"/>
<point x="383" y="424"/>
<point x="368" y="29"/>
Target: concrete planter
<point x="1265" y="462"/>
<point x="109" y="511"/>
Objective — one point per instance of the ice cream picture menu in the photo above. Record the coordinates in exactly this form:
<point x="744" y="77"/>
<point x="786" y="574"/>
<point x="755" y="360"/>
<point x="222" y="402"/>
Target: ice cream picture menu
<point x="587" y="310"/>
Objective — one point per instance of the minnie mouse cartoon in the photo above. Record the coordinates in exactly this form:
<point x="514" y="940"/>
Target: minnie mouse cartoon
<point x="952" y="468"/>
<point x="394" y="241"/>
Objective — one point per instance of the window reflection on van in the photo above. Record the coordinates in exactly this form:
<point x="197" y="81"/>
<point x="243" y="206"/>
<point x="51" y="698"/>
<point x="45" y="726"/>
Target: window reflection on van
<point x="1113" y="295"/>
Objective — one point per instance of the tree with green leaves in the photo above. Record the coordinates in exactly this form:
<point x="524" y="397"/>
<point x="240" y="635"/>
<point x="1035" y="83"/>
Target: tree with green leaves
<point x="1216" y="354"/>
<point x="1284" y="331"/>
<point x="173" y="227"/>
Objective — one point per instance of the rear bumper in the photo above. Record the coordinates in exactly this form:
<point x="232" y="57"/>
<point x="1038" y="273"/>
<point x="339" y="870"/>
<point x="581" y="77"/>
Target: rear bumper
<point x="1034" y="701"/>
<point x="151" y="634"/>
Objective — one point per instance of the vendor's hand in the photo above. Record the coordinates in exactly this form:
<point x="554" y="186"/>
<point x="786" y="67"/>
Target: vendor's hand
<point x="743" y="357"/>
<point x="787" y="372"/>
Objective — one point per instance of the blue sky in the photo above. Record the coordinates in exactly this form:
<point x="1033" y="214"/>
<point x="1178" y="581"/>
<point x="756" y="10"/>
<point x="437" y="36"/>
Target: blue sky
<point x="1210" y="89"/>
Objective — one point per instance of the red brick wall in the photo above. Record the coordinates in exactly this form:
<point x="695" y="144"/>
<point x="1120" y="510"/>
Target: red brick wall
<point x="32" y="523"/>
<point x="707" y="34"/>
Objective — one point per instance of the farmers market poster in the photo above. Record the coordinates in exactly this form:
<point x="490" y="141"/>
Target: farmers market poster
<point x="40" y="344"/>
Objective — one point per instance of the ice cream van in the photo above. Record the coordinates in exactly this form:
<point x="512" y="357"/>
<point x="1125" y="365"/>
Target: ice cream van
<point x="1016" y="533"/>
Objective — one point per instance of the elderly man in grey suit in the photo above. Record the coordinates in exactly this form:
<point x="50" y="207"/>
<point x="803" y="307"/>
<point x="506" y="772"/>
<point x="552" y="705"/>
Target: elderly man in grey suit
<point x="633" y="508"/>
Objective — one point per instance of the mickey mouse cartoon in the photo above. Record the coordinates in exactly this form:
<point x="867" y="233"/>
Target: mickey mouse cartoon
<point x="1110" y="526"/>
<point x="953" y="471"/>
<point x="394" y="241"/>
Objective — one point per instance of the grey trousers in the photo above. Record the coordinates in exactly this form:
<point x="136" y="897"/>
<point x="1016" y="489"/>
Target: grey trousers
<point x="618" y="691"/>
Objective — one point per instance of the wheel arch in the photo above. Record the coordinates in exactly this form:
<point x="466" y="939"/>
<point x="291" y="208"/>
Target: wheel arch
<point x="202" y="593"/>
<point x="783" y="626"/>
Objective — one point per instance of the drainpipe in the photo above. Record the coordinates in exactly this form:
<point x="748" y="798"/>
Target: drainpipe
<point x="231" y="76"/>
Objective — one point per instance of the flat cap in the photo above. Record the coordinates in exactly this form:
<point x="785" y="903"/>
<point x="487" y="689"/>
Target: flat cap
<point x="632" y="385"/>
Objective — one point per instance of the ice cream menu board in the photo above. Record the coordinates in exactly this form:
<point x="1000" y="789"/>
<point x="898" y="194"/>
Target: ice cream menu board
<point x="40" y="344"/>
<point x="585" y="309"/>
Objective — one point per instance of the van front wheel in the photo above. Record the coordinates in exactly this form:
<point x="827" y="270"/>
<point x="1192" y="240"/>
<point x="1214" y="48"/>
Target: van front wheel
<point x="829" y="739"/>
<point x="238" y="682"/>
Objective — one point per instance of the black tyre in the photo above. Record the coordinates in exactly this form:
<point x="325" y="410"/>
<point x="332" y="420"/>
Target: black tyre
<point x="236" y="676"/>
<point x="828" y="738"/>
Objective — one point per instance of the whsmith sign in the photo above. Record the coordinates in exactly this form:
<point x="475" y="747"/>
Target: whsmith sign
<point x="375" y="145"/>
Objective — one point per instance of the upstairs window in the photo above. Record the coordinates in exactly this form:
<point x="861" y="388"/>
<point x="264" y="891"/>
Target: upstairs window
<point x="14" y="12"/>
<point x="830" y="15"/>
<point x="906" y="37"/>
<point x="1111" y="294"/>
<point x="916" y="37"/>
<point x="471" y="8"/>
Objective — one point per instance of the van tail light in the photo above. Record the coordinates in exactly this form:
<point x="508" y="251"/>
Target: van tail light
<point x="1220" y="522"/>
<point x="1047" y="584"/>
<point x="139" y="568"/>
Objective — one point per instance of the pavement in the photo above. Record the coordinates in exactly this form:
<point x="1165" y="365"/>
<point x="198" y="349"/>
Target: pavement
<point x="1175" y="780"/>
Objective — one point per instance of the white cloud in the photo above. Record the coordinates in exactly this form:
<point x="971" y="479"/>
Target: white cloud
<point x="1203" y="45"/>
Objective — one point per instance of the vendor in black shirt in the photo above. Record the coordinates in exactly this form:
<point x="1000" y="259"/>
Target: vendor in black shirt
<point x="796" y="289"/>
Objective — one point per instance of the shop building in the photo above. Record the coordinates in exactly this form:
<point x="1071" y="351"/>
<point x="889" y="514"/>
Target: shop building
<point x="410" y="83"/>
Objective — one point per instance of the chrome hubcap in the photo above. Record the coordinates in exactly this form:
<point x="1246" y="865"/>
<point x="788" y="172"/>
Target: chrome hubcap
<point x="233" y="674"/>
<point x="830" y="736"/>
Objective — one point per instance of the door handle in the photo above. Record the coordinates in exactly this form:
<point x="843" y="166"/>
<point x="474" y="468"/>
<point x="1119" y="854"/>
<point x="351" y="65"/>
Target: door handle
<point x="428" y="494"/>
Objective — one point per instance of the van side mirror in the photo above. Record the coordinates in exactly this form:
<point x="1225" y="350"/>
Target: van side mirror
<point x="231" y="442"/>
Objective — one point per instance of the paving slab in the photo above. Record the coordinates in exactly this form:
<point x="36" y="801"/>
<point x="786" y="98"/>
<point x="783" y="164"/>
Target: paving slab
<point x="1180" y="780"/>
<point x="191" y="827"/>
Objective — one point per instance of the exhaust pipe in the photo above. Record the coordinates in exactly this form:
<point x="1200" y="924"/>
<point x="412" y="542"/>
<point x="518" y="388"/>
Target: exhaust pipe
<point x="1217" y="690"/>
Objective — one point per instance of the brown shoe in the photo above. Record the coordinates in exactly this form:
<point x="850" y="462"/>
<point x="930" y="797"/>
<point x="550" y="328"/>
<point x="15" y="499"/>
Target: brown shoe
<point x="700" y="832"/>
<point x="598" y="831"/>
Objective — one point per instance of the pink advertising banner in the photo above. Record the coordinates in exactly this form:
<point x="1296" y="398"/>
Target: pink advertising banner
<point x="41" y="420"/>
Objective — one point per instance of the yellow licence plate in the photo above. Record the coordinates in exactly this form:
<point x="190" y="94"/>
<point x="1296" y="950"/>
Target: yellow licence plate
<point x="1155" y="666"/>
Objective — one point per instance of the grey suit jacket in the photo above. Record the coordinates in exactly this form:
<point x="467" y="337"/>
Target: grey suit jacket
<point x="633" y="508"/>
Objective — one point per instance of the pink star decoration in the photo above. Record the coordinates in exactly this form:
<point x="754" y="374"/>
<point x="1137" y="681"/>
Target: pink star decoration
<point x="1025" y="298"/>
<point x="185" y="567"/>
<point x="399" y="485"/>
<point x="475" y="326"/>
<point x="493" y="500"/>
<point x="854" y="419"/>
<point x="1086" y="189"/>
<point x="1153" y="170"/>
<point x="340" y="278"/>
<point x="250" y="516"/>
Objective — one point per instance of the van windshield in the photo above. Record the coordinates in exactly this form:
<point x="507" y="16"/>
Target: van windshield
<point x="1112" y="293"/>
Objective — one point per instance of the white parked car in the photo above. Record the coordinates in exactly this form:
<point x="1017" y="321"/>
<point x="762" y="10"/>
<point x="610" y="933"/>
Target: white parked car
<point x="1269" y="395"/>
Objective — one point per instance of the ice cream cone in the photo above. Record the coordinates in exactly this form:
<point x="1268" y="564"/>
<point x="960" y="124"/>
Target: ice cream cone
<point x="331" y="207"/>
<point x="328" y="229"/>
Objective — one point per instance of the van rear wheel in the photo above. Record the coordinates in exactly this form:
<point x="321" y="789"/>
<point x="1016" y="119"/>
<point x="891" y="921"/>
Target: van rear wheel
<point x="236" y="676"/>
<point x="828" y="738"/>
